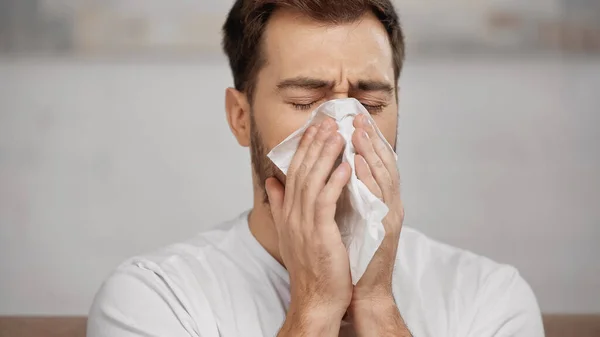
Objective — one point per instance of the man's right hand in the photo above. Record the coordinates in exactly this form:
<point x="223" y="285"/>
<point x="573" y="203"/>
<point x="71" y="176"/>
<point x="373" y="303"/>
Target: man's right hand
<point x="310" y="243"/>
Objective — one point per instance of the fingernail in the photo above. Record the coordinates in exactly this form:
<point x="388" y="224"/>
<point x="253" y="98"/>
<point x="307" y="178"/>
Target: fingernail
<point x="325" y="129"/>
<point x="311" y="130"/>
<point x="325" y="125"/>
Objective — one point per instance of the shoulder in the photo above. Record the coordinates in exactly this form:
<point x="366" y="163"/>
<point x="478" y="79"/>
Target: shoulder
<point x="423" y="254"/>
<point x="162" y="292"/>
<point x="135" y="301"/>
<point x="486" y="295"/>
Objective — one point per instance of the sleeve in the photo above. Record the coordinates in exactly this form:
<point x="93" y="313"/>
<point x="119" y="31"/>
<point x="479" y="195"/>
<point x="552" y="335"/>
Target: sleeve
<point x="506" y="306"/>
<point x="136" y="302"/>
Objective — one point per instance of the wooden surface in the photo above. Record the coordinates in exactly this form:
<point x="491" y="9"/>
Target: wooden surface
<point x="572" y="325"/>
<point x="42" y="326"/>
<point x="555" y="325"/>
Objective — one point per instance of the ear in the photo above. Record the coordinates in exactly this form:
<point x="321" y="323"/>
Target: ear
<point x="238" y="115"/>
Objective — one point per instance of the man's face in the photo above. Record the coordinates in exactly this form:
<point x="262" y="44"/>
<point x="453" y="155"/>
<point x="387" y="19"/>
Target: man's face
<point x="308" y="63"/>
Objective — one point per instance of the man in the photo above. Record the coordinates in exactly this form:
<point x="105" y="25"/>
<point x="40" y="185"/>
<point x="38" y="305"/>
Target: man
<point x="281" y="269"/>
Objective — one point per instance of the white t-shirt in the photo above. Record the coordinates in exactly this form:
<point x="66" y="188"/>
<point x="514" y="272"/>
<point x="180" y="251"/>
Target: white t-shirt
<point x="224" y="283"/>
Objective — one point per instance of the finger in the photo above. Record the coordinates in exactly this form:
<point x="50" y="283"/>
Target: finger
<point x="312" y="153"/>
<point x="297" y="159"/>
<point x="363" y="173"/>
<point x="364" y="147"/>
<point x="381" y="147"/>
<point x="275" y="193"/>
<point x="329" y="195"/>
<point x="305" y="142"/>
<point x="322" y="168"/>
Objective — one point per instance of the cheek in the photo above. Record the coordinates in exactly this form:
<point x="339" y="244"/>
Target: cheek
<point x="390" y="135"/>
<point x="388" y="125"/>
<point x="278" y="135"/>
<point x="286" y="124"/>
<point x="276" y="121"/>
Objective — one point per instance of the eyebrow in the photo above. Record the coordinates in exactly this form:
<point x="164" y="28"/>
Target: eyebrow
<point x="304" y="83"/>
<point x="371" y="85"/>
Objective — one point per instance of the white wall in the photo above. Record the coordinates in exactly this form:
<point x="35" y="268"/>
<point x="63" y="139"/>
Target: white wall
<point x="100" y="160"/>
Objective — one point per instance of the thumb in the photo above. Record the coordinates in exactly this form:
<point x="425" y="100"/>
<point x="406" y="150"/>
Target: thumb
<point x="275" y="192"/>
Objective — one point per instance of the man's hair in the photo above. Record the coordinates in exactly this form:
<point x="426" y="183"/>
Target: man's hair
<point x="245" y="25"/>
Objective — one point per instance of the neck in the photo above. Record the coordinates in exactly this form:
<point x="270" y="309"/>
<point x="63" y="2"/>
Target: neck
<point x="262" y="226"/>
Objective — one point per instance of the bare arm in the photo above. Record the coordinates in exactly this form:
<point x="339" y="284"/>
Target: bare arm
<point x="300" y="323"/>
<point x="380" y="318"/>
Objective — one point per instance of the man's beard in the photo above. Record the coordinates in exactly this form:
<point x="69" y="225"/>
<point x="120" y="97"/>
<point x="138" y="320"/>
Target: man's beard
<point x="262" y="166"/>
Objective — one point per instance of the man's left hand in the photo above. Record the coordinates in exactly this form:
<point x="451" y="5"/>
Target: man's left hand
<point x="372" y="298"/>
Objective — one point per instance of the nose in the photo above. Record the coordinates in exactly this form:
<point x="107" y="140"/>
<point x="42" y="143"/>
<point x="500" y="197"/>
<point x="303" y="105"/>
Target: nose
<point x="340" y="94"/>
<point x="341" y="89"/>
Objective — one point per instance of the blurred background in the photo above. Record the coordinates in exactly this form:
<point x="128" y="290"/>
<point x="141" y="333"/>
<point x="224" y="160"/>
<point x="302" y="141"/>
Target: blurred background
<point x="113" y="139"/>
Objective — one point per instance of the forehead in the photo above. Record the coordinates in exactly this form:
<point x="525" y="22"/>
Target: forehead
<point x="296" y="45"/>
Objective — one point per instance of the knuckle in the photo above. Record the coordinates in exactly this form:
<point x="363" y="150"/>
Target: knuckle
<point x="392" y="186"/>
<point x="291" y="172"/>
<point x="318" y="143"/>
<point x="302" y="168"/>
<point x="290" y="181"/>
<point x="329" y="151"/>
<point x="332" y="147"/>
<point x="308" y="135"/>
<point x="379" y="146"/>
<point x="306" y="185"/>
<point x="389" y="183"/>
<point x="395" y="189"/>
<point x="378" y="164"/>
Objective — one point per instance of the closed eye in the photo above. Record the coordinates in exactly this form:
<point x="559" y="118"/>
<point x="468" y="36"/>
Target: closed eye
<point x="304" y="106"/>
<point x="371" y="108"/>
<point x="374" y="108"/>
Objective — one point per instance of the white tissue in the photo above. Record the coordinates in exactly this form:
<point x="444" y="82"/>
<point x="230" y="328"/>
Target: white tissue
<point x="359" y="212"/>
